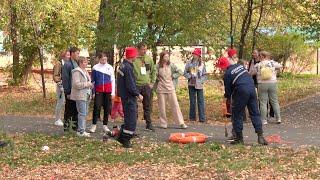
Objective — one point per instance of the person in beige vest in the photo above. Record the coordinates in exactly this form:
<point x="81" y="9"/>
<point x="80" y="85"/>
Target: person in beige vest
<point x="81" y="93"/>
<point x="166" y="92"/>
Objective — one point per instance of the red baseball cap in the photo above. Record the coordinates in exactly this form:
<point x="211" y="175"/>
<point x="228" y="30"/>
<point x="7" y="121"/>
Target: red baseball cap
<point x="197" y="51"/>
<point x="223" y="63"/>
<point x="131" y="52"/>
<point x="232" y="52"/>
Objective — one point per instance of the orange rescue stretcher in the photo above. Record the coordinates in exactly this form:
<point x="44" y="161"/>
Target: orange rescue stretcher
<point x="189" y="137"/>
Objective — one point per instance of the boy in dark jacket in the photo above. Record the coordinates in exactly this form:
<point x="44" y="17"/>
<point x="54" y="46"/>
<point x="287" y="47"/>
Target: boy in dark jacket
<point x="70" y="110"/>
<point x="239" y="87"/>
<point x="128" y="91"/>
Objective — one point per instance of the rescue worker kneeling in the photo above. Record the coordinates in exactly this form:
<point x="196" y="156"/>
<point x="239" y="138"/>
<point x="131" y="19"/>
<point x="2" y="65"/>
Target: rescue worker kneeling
<point x="239" y="86"/>
<point x="127" y="90"/>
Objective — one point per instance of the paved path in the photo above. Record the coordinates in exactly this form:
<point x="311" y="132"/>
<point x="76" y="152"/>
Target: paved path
<point x="300" y="127"/>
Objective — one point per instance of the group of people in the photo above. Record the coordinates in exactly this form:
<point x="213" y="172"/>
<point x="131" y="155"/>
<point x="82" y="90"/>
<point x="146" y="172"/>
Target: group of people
<point x="138" y="77"/>
<point x="75" y="88"/>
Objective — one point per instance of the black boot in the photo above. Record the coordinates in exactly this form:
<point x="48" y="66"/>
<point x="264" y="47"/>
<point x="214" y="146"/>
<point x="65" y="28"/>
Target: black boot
<point x="124" y="139"/>
<point x="261" y="139"/>
<point x="150" y="127"/>
<point x="238" y="139"/>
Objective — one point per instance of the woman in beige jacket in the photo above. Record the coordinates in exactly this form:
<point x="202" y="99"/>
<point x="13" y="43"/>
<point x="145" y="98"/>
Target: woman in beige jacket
<point x="166" y="92"/>
<point x="81" y="93"/>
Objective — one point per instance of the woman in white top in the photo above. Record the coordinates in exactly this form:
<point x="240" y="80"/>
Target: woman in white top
<point x="267" y="85"/>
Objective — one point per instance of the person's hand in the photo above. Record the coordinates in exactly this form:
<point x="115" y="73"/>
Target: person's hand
<point x="90" y="85"/>
<point x="151" y="85"/>
<point x="68" y="96"/>
<point x="140" y="97"/>
<point x="93" y="96"/>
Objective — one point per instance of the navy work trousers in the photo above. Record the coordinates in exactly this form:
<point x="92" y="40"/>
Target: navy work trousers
<point x="245" y="96"/>
<point x="129" y="105"/>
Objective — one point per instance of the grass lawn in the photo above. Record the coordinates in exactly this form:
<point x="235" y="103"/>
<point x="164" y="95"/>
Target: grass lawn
<point x="210" y="159"/>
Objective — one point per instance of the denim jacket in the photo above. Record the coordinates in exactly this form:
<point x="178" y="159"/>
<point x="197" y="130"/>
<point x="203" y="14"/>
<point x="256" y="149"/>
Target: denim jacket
<point x="195" y="74"/>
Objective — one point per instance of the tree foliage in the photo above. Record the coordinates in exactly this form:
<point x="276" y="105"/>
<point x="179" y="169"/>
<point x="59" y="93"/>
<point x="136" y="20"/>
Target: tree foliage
<point x="53" y="25"/>
<point x="161" y="22"/>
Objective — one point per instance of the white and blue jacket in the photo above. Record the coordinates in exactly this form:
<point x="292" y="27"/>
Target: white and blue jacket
<point x="103" y="78"/>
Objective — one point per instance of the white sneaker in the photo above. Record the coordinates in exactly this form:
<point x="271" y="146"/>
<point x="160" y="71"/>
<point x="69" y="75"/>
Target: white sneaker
<point x="93" y="128"/>
<point x="84" y="134"/>
<point x="183" y="126"/>
<point x="264" y="122"/>
<point x="279" y="121"/>
<point x="105" y="128"/>
<point x="58" y="122"/>
<point x="163" y="126"/>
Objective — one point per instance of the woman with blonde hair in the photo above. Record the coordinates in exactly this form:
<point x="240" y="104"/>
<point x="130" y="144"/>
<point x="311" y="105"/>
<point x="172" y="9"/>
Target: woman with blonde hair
<point x="81" y="93"/>
<point x="165" y="89"/>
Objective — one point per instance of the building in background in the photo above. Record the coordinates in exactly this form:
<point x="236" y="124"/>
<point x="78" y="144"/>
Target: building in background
<point x="1" y="42"/>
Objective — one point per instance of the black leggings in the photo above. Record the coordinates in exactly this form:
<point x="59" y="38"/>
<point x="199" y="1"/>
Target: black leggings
<point x="70" y="115"/>
<point x="104" y="100"/>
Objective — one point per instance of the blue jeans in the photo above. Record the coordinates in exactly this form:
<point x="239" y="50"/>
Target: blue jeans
<point x="60" y="102"/>
<point x="196" y="96"/>
<point x="82" y="107"/>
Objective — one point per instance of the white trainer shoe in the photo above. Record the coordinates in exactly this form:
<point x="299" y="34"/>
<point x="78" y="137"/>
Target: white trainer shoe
<point x="183" y="126"/>
<point x="163" y="126"/>
<point x="84" y="134"/>
<point x="93" y="128"/>
<point x="106" y="129"/>
<point x="58" y="122"/>
<point x="264" y="122"/>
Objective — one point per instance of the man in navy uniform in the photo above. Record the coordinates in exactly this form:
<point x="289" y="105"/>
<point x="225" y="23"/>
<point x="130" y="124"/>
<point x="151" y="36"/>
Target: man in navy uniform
<point x="239" y="86"/>
<point x="128" y="91"/>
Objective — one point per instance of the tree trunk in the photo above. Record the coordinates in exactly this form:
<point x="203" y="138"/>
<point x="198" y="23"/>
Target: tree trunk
<point x="154" y="53"/>
<point x="40" y="51"/>
<point x="231" y="24"/>
<point x="151" y="36"/>
<point x="118" y="62"/>
<point x="254" y="36"/>
<point x="108" y="49"/>
<point x="14" y="41"/>
<point x="26" y="69"/>
<point x="245" y="27"/>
